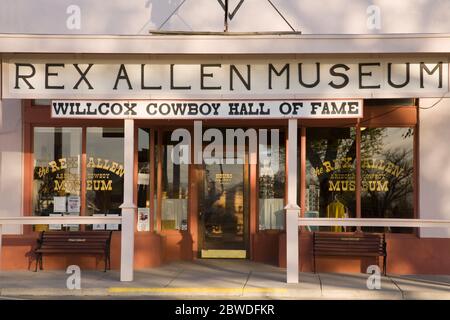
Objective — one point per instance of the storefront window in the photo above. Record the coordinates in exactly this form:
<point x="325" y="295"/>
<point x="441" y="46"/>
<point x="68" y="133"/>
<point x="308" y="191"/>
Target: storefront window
<point x="330" y="174"/>
<point x="146" y="205"/>
<point x="174" y="188"/>
<point x="56" y="178"/>
<point x="387" y="174"/>
<point x="272" y="179"/>
<point x="104" y="170"/>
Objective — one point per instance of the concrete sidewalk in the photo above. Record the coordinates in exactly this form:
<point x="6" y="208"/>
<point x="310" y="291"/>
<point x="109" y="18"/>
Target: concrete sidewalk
<point x="222" y="278"/>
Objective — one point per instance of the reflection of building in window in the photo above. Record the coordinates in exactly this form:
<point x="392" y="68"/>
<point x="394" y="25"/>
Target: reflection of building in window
<point x="239" y="210"/>
<point x="272" y="178"/>
<point x="146" y="178"/>
<point x="174" y="188"/>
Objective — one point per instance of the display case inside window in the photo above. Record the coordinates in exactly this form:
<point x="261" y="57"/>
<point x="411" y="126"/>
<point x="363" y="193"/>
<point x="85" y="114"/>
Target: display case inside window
<point x="56" y="174"/>
<point x="330" y="174"/>
<point x="104" y="171"/>
<point x="272" y="180"/>
<point x="387" y="171"/>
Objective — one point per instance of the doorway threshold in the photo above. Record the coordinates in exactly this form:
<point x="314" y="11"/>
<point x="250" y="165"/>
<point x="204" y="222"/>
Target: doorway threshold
<point x="224" y="254"/>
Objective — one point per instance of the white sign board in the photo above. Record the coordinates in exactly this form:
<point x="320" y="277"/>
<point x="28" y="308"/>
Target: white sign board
<point x="112" y="226"/>
<point x="210" y="77"/>
<point x="208" y="109"/>
<point x="143" y="219"/>
<point x="54" y="226"/>
<point x="73" y="204"/>
<point x="59" y="204"/>
<point x="98" y="226"/>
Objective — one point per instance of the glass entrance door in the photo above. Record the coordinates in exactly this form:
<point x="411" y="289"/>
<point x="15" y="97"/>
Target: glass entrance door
<point x="223" y="216"/>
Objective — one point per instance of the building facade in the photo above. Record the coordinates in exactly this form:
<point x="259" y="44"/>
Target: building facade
<point x="364" y="92"/>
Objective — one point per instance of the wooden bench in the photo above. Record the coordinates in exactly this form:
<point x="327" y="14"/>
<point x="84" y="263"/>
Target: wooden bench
<point x="68" y="242"/>
<point x="349" y="244"/>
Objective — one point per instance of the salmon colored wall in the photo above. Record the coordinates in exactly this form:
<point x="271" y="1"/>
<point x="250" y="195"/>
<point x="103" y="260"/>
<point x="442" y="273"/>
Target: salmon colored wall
<point x="407" y="254"/>
<point x="177" y="245"/>
<point x="17" y="254"/>
<point x="265" y="247"/>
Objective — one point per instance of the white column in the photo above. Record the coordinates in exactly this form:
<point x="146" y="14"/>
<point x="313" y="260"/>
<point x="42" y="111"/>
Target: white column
<point x="292" y="209"/>
<point x="128" y="207"/>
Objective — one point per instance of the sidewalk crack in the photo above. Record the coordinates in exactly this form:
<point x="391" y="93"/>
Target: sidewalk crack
<point x="246" y="281"/>
<point x="174" y="278"/>
<point x="398" y="287"/>
<point x="320" y="283"/>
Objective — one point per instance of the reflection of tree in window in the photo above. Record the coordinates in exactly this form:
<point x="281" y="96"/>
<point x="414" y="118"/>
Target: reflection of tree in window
<point x="330" y="177"/>
<point x="57" y="176"/>
<point x="387" y="174"/>
<point x="56" y="169"/>
<point x="104" y="172"/>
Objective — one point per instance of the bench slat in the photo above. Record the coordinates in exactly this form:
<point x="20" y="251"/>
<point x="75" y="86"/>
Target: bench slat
<point x="69" y="250"/>
<point x="366" y="254"/>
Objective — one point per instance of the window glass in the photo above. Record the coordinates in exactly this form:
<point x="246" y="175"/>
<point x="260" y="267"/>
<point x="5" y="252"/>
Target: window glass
<point x="143" y="168"/>
<point x="174" y="188"/>
<point x="145" y="181"/>
<point x="272" y="179"/>
<point x="330" y="174"/>
<point x="387" y="174"/>
<point x="104" y="171"/>
<point x="56" y="177"/>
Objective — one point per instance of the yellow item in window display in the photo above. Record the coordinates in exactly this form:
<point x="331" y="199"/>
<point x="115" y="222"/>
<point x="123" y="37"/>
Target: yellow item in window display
<point x="168" y="224"/>
<point x="336" y="210"/>
<point x="41" y="227"/>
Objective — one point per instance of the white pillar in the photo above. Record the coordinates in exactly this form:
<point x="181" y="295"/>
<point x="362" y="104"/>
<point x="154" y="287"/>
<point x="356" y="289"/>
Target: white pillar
<point x="128" y="207"/>
<point x="292" y="209"/>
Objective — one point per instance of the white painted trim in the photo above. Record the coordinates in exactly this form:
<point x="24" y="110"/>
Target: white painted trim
<point x="361" y="222"/>
<point x="233" y="44"/>
<point x="128" y="207"/>
<point x="31" y="220"/>
<point x="292" y="209"/>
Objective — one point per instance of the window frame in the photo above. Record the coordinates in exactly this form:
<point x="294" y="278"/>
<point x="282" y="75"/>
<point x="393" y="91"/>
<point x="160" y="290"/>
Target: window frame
<point x="415" y="167"/>
<point x="40" y="116"/>
<point x="385" y="116"/>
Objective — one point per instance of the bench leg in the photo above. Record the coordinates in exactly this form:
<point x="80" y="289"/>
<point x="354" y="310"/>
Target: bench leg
<point x="384" y="265"/>
<point x="37" y="261"/>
